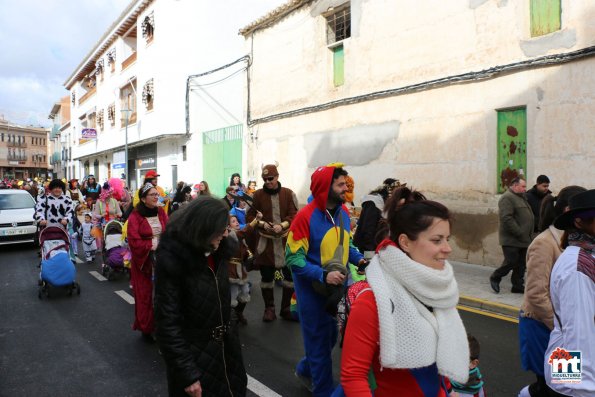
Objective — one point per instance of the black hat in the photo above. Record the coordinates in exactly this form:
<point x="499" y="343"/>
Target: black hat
<point x="578" y="204"/>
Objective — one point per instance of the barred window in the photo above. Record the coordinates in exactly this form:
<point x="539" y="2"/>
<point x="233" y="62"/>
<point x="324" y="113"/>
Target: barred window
<point x="148" y="26"/>
<point x="338" y="25"/>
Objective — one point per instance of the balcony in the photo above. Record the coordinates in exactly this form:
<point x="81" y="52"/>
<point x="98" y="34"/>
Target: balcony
<point x="16" y="144"/>
<point x="87" y="95"/>
<point x="129" y="61"/>
<point x="17" y="157"/>
<point x="55" y="132"/>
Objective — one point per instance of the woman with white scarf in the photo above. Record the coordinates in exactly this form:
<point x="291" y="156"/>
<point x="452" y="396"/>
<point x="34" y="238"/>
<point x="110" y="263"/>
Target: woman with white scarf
<point x="405" y="327"/>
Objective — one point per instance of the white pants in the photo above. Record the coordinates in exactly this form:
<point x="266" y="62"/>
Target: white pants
<point x="239" y="293"/>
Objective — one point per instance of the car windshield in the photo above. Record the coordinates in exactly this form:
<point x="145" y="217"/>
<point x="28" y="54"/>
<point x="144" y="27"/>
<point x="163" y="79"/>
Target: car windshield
<point x="16" y="201"/>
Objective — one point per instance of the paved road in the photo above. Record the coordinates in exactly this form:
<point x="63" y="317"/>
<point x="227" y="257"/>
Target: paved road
<point x="83" y="346"/>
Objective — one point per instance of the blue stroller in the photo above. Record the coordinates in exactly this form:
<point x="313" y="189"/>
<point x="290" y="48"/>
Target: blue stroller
<point x="57" y="270"/>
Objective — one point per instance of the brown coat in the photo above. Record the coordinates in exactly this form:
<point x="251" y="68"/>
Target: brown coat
<point x="541" y="257"/>
<point x="236" y="269"/>
<point x="278" y="209"/>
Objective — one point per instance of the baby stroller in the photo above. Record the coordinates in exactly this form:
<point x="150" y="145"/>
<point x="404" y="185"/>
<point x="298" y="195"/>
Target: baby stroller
<point x="57" y="270"/>
<point x="114" y="251"/>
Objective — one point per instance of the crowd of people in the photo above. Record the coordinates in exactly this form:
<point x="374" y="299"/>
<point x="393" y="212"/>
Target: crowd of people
<point x="385" y="277"/>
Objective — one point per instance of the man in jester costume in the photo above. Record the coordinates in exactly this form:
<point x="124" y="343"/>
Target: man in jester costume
<point x="318" y="250"/>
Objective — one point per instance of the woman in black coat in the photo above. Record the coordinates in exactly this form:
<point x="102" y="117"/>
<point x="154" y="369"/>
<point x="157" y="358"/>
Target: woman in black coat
<point x="193" y="304"/>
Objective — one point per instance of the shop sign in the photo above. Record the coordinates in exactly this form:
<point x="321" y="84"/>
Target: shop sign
<point x="148" y="162"/>
<point x="88" y="134"/>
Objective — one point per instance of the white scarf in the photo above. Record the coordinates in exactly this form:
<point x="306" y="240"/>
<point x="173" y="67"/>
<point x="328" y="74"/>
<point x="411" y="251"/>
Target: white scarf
<point x="410" y="335"/>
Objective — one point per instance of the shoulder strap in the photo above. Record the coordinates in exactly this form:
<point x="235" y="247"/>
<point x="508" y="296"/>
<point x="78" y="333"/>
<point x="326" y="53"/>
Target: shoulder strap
<point x="46" y="208"/>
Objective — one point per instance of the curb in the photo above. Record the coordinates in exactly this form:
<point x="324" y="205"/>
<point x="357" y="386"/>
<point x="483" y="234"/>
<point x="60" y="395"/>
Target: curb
<point x="489" y="306"/>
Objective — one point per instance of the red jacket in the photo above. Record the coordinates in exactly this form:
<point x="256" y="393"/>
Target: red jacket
<point x="361" y="349"/>
<point x="140" y="236"/>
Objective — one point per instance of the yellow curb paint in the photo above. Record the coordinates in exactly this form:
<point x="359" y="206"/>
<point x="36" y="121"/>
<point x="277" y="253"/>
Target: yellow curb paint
<point x="488" y="314"/>
<point x="490" y="303"/>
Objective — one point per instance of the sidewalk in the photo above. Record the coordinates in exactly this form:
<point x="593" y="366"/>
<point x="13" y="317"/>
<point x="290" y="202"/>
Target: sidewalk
<point x="475" y="290"/>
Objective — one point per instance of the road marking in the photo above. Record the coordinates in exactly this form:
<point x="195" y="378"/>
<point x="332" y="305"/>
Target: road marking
<point x="485" y="313"/>
<point x="79" y="261"/>
<point x="97" y="276"/>
<point x="126" y="296"/>
<point x="259" y="389"/>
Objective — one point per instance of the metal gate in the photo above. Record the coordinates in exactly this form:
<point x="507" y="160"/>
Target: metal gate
<point x="222" y="156"/>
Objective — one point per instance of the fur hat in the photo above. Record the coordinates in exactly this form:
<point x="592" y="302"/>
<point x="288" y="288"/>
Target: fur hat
<point x="269" y="170"/>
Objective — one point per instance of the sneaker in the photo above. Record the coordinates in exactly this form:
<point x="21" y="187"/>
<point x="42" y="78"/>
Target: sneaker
<point x="524" y="392"/>
<point x="307" y="382"/>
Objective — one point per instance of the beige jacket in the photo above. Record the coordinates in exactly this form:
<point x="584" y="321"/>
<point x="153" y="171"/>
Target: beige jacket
<point x="541" y="257"/>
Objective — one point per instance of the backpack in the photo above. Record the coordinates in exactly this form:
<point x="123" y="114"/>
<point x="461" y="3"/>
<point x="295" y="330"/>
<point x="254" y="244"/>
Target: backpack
<point x="344" y="307"/>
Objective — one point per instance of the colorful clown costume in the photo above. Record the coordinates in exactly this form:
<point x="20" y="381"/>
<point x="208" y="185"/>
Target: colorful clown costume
<point x="312" y="242"/>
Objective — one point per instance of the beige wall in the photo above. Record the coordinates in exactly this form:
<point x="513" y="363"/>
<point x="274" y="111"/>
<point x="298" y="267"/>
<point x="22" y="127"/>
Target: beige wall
<point x="440" y="141"/>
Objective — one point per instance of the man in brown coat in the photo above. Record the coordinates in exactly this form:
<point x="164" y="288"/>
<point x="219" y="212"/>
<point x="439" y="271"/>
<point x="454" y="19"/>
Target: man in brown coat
<point x="278" y="206"/>
<point x="515" y="235"/>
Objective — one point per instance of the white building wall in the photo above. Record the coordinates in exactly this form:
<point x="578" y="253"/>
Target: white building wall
<point x="441" y="141"/>
<point x="190" y="37"/>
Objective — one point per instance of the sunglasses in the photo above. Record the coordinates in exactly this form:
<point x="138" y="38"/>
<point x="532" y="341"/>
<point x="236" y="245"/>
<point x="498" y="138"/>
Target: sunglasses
<point x="268" y="178"/>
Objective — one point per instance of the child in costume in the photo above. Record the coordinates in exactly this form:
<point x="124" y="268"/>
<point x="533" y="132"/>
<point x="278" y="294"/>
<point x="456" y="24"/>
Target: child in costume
<point x="89" y="244"/>
<point x="238" y="276"/>
<point x="474" y="386"/>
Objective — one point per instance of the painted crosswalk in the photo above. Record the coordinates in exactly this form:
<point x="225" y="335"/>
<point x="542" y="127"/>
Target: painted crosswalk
<point x="126" y="296"/>
<point x="97" y="275"/>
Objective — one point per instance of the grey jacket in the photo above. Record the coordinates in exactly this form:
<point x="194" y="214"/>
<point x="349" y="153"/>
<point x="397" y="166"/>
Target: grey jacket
<point x="516" y="220"/>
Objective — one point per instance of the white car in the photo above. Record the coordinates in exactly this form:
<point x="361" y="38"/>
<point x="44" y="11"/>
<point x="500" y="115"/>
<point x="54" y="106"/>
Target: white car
<point x="16" y="217"/>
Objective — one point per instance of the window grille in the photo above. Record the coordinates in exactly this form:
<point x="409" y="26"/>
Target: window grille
<point x="148" y="94"/>
<point x="338" y="25"/>
<point x="148" y="26"/>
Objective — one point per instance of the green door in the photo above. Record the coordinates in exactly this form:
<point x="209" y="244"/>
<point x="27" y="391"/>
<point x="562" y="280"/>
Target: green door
<point x="222" y="156"/>
<point x="512" y="146"/>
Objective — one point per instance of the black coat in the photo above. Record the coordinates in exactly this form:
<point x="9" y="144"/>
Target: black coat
<point x="190" y="302"/>
<point x="534" y="198"/>
<point x="367" y="227"/>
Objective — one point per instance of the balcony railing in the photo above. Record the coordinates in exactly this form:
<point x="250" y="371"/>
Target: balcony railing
<point x="88" y="95"/>
<point x="55" y="132"/>
<point x="17" y="157"/>
<point x="129" y="61"/>
<point x="16" y="144"/>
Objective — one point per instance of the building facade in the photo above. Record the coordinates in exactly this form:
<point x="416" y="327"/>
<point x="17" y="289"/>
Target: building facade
<point x="60" y="140"/>
<point x="23" y="151"/>
<point x="454" y="99"/>
<point x="141" y="88"/>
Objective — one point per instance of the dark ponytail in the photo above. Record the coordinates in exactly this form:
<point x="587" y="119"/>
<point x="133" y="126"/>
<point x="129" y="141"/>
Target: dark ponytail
<point x="409" y="212"/>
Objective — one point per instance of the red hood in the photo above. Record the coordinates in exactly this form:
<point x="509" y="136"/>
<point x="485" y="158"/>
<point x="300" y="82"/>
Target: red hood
<point x="321" y="184"/>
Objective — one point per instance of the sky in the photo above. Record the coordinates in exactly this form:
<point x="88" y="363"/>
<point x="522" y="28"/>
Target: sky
<point x="43" y="41"/>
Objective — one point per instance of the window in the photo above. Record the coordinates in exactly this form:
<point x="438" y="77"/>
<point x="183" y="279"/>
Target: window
<point x="2" y="136"/>
<point x="545" y="17"/>
<point x="184" y="153"/>
<point x="148" y="94"/>
<point x="111" y="114"/>
<point x="512" y="146"/>
<point x="148" y="27"/>
<point x="100" y="119"/>
<point x="128" y="101"/>
<point x="111" y="59"/>
<point x="338" y="25"/>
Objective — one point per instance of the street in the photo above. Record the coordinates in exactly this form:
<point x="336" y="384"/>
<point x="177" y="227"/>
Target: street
<point x="84" y="346"/>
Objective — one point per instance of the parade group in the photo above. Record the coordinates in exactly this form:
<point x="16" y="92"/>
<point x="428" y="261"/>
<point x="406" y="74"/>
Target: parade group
<point x="375" y="277"/>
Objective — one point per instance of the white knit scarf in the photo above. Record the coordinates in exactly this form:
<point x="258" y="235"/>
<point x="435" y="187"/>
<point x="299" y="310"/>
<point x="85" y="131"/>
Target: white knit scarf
<point x="410" y="335"/>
